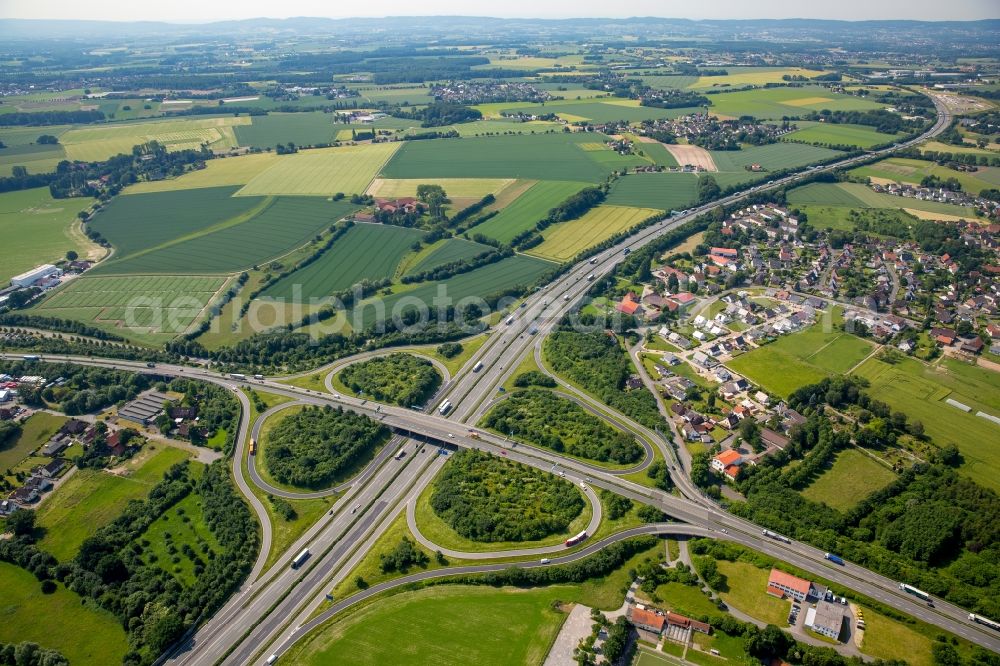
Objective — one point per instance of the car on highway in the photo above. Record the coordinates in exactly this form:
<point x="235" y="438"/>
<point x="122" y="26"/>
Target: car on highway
<point x="451" y="436"/>
<point x="545" y="560"/>
<point x="355" y="509"/>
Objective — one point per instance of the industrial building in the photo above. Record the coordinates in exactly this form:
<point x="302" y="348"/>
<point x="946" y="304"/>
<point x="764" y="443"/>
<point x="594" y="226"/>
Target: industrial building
<point x="36" y="274"/>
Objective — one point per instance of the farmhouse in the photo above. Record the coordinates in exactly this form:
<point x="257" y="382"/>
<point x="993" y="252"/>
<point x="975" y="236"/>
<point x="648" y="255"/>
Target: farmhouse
<point x="781" y="585"/>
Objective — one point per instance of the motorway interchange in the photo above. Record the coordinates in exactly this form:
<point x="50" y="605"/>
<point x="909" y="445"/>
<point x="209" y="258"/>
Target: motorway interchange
<point x="277" y="607"/>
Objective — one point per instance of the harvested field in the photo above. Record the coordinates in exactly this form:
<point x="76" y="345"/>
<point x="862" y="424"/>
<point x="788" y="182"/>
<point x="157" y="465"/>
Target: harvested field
<point x="693" y="155"/>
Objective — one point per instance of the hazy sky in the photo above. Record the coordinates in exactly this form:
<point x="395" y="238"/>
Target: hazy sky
<point x="210" y="10"/>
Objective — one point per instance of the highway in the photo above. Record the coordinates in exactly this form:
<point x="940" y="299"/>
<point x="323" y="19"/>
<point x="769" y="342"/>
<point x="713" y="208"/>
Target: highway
<point x="260" y="610"/>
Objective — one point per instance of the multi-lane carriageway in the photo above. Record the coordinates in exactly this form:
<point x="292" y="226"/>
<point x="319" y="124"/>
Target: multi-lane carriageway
<point x="250" y="626"/>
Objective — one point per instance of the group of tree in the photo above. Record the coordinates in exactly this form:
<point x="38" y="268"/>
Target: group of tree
<point x="406" y="554"/>
<point x="545" y="419"/>
<point x="440" y="114"/>
<point x="30" y="654"/>
<point x="399" y="378"/>
<point x="489" y="499"/>
<point x="881" y="120"/>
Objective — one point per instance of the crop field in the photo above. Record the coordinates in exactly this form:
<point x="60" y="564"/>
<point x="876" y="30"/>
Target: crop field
<point x="277" y="227"/>
<point x="227" y="172"/>
<point x="135" y="304"/>
<point x="143" y="222"/>
<point x="395" y="94"/>
<point x="663" y="191"/>
<point x="302" y="129"/>
<point x="774" y="103"/>
<point x="528" y="209"/>
<point x="678" y="81"/>
<point x="36" y="158"/>
<point x="326" y="171"/>
<point x="751" y="76"/>
<point x="493" y="126"/>
<point x="445" y="625"/>
<point x="101" y="142"/>
<point x="366" y="252"/>
<point x="853" y="476"/>
<point x="658" y="153"/>
<point x="772" y="156"/>
<point x="462" y="188"/>
<point x="38" y="229"/>
<point x="530" y="157"/>
<point x="453" y="249"/>
<point x="856" y="195"/>
<point x="485" y="281"/>
<point x="902" y="170"/>
<point x="565" y="240"/>
<point x="854" y="135"/>
<point x="93" y="498"/>
<point x="920" y="391"/>
<point x="601" y="111"/>
<point x="97" y="636"/>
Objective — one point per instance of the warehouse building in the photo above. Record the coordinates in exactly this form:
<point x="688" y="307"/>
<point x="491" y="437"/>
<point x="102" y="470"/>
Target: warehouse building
<point x="35" y="275"/>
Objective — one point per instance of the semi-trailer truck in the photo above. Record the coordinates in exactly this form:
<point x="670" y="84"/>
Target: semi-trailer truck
<point x="445" y="406"/>
<point x="300" y="558"/>
<point x="478" y="366"/>
<point x="775" y="536"/>
<point x="836" y="559"/>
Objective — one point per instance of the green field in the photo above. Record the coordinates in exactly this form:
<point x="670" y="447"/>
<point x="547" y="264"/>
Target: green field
<point x="93" y="498"/>
<point x="772" y="157"/>
<point x="774" y="103"/>
<point x="856" y="195"/>
<point x="302" y="129"/>
<point x="515" y="271"/>
<point x="751" y="76"/>
<point x="443" y="625"/>
<point x="322" y="172"/>
<point x="532" y="157"/>
<point x="172" y="528"/>
<point x="525" y="211"/>
<point x="903" y="170"/>
<point x="663" y="191"/>
<point x="889" y="639"/>
<point x="95" y="143"/>
<point x="36" y="158"/>
<point x="854" y="135"/>
<point x="452" y="249"/>
<point x="220" y="172"/>
<point x="268" y="231"/>
<point x="37" y="430"/>
<point x="38" y="229"/>
<point x="600" y="111"/>
<point x="413" y="94"/>
<point x="747" y="592"/>
<point x="801" y="358"/>
<point x="838" y="217"/>
<point x="366" y="252"/>
<point x="852" y="477"/>
<point x="144" y="306"/>
<point x="565" y="240"/>
<point x="96" y="636"/>
<point x="658" y="153"/>
<point x="474" y="188"/>
<point x="920" y="390"/>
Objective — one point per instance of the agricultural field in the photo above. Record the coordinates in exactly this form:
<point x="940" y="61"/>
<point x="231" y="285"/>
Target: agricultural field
<point x="38" y="229"/>
<point x="838" y="217"/>
<point x="658" y="153"/>
<point x="525" y="211"/>
<point x="856" y="195"/>
<point x="902" y="170"/>
<point x="452" y="249"/>
<point x="772" y="157"/>
<point x="738" y="77"/>
<point x="662" y="191"/>
<point x="413" y="94"/>
<point x="801" y="358"/>
<point x="95" y="143"/>
<point x="93" y="498"/>
<point x="854" y="135"/>
<point x="853" y="476"/>
<point x="444" y="625"/>
<point x="491" y="279"/>
<point x="920" y="391"/>
<point x="494" y="126"/>
<point x="302" y="129"/>
<point x="322" y="172"/>
<point x="774" y="103"/>
<point x="271" y="229"/>
<point x="220" y="172"/>
<point x="677" y="81"/>
<point x="144" y="307"/>
<point x="462" y="188"/>
<point x="603" y="110"/>
<point x="565" y="240"/>
<point x="366" y="252"/>
<point x="97" y="636"/>
<point x="518" y="156"/>
<point x="36" y="158"/>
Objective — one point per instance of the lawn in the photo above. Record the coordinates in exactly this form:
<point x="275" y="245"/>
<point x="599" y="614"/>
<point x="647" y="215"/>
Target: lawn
<point x="565" y="240"/>
<point x="686" y="600"/>
<point x="521" y="156"/>
<point x="861" y="136"/>
<point x="96" y="143"/>
<point x="747" y="592"/>
<point x="888" y="639"/>
<point x="89" y="635"/>
<point x="920" y="391"/>
<point x="366" y="252"/>
<point x="453" y="249"/>
<point x="93" y="498"/>
<point x="443" y="625"/>
<point x="533" y="205"/>
<point x="38" y="229"/>
<point x="183" y="524"/>
<point x="324" y="172"/>
<point x="34" y="432"/>
<point x="663" y="191"/>
<point x="774" y="103"/>
<point x="852" y="477"/>
<point x="455" y="187"/>
<point x="144" y="307"/>
<point x="228" y="172"/>
<point x="271" y="230"/>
